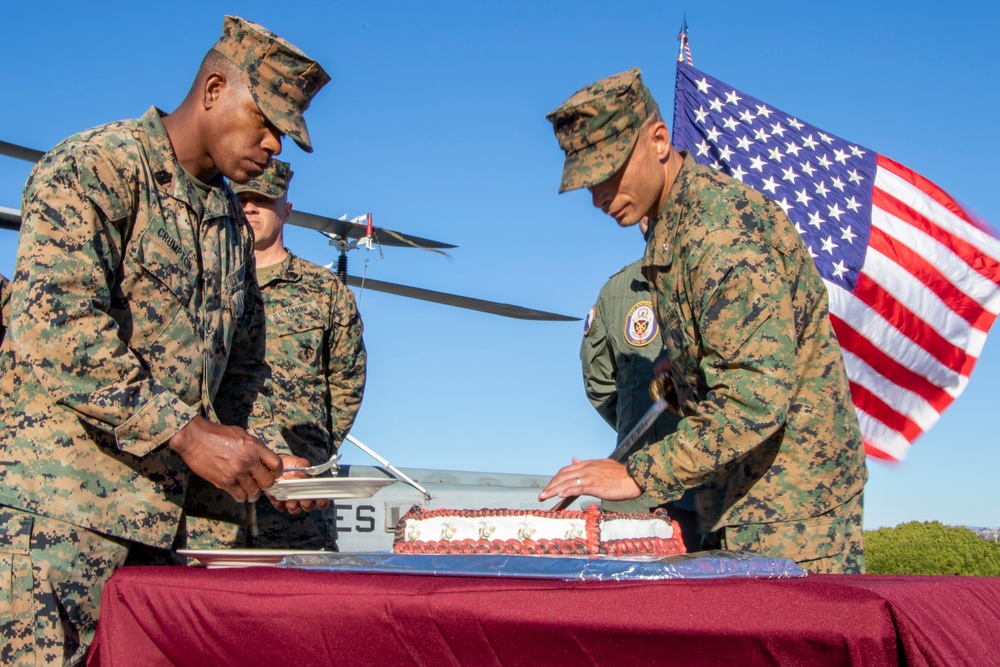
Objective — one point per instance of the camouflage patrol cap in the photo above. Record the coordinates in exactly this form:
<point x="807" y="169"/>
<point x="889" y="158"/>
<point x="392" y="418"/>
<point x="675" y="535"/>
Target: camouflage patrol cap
<point x="597" y="127"/>
<point x="283" y="80"/>
<point x="273" y="183"/>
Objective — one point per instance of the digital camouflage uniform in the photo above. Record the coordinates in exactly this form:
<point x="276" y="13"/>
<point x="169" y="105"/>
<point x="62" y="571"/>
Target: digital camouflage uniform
<point x="135" y="309"/>
<point x="4" y="305"/>
<point x="758" y="375"/>
<point x="317" y="356"/>
<point x="769" y="432"/>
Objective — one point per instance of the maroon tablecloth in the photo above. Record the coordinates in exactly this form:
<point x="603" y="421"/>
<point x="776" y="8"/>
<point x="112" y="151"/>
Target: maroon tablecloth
<point x="266" y="616"/>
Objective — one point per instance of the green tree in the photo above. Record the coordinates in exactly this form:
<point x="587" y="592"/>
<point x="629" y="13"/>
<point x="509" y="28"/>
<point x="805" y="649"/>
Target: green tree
<point x="930" y="548"/>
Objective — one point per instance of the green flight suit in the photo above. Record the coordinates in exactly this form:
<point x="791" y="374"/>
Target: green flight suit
<point x="621" y="343"/>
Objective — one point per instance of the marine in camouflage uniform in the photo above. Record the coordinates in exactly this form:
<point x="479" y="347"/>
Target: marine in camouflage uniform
<point x="317" y="356"/>
<point x="4" y="305"/>
<point x="769" y="433"/>
<point x="138" y="330"/>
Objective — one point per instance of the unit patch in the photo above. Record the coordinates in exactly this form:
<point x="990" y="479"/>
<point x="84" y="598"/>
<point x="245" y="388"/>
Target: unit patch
<point x="589" y="320"/>
<point x="640" y="324"/>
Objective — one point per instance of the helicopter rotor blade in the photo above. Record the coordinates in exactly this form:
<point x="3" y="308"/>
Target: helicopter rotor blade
<point x="20" y="152"/>
<point x="358" y="230"/>
<point x="10" y="218"/>
<point x="349" y="228"/>
<point x="469" y="303"/>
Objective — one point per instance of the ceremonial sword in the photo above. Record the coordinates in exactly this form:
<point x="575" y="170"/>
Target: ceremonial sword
<point x="656" y="390"/>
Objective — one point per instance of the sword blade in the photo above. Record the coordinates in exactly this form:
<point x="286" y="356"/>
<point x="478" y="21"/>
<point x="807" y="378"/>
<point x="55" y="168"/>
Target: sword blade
<point x="647" y="420"/>
<point x="639" y="430"/>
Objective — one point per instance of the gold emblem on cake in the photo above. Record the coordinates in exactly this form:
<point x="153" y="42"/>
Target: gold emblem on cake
<point x="574" y="532"/>
<point x="448" y="531"/>
<point x="486" y="529"/>
<point x="413" y="532"/>
<point x="526" y="532"/>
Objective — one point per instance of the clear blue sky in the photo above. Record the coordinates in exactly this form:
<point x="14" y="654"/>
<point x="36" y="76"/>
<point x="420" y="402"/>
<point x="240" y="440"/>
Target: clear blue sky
<point x="435" y="123"/>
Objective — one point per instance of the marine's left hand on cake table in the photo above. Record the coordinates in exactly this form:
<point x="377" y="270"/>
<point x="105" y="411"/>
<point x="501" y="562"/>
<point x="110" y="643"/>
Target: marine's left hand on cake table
<point x="601" y="478"/>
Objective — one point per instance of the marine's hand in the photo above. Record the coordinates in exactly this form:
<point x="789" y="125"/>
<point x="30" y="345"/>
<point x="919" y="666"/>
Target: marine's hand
<point x="296" y="506"/>
<point x="601" y="478"/>
<point x="227" y="457"/>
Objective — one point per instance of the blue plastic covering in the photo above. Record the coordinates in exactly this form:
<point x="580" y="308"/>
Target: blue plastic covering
<point x="700" y="565"/>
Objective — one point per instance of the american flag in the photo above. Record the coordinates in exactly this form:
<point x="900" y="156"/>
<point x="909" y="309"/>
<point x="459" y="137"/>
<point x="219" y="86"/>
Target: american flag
<point x="914" y="279"/>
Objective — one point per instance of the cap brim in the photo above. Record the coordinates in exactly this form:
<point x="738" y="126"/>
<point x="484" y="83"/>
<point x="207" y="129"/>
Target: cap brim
<point x="240" y="188"/>
<point x="300" y="134"/>
<point x="287" y="118"/>
<point x="593" y="165"/>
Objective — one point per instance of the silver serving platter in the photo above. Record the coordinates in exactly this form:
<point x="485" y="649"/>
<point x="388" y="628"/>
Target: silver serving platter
<point x="331" y="488"/>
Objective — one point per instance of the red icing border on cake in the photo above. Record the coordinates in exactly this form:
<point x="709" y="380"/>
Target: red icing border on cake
<point x="592" y="517"/>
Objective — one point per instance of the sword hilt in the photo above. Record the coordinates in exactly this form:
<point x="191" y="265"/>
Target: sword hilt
<point x="658" y="386"/>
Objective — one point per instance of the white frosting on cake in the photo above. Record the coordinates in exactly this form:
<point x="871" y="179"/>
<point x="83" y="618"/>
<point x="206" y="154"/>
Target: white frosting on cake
<point x="535" y="532"/>
<point x="626" y="529"/>
<point x="529" y="527"/>
<point x="454" y="528"/>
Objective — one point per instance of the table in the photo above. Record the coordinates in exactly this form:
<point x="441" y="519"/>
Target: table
<point x="269" y="616"/>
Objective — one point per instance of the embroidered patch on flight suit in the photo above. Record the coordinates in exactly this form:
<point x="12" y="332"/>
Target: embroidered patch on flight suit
<point x="640" y="324"/>
<point x="588" y="321"/>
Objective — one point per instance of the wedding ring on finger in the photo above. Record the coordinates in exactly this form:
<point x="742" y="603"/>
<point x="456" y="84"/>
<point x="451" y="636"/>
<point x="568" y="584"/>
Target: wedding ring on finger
<point x="578" y="482"/>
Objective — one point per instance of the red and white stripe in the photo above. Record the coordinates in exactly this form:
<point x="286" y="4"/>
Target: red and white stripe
<point x="915" y="325"/>
<point x="685" y="49"/>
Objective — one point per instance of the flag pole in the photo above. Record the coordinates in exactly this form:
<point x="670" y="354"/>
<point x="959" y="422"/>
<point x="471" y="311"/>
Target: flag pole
<point x="684" y="51"/>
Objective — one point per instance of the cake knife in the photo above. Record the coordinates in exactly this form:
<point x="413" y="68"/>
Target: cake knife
<point x="393" y="469"/>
